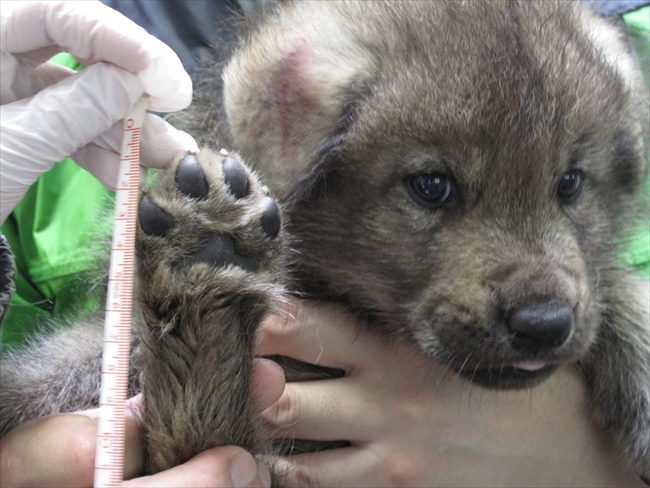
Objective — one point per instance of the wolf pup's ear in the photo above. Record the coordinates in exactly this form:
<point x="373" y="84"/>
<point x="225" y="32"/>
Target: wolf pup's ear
<point x="614" y="44"/>
<point x="288" y="91"/>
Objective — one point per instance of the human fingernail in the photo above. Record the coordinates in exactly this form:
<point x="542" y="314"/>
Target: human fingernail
<point x="243" y="470"/>
<point x="264" y="474"/>
<point x="270" y="363"/>
<point x="92" y="413"/>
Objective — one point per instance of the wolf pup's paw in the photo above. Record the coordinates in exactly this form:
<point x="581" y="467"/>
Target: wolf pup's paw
<point x="209" y="209"/>
<point x="208" y="263"/>
<point x="208" y="230"/>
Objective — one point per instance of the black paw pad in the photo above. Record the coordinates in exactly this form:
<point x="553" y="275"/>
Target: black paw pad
<point x="271" y="218"/>
<point x="218" y="250"/>
<point x="235" y="177"/>
<point x="153" y="219"/>
<point x="190" y="179"/>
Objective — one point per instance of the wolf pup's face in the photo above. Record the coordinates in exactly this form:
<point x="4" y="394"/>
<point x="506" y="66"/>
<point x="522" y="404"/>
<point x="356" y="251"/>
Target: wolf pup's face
<point x="456" y="171"/>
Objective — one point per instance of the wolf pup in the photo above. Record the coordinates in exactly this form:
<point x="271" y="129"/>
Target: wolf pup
<point x="459" y="173"/>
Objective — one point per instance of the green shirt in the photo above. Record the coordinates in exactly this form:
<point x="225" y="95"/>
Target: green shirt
<point x="53" y="234"/>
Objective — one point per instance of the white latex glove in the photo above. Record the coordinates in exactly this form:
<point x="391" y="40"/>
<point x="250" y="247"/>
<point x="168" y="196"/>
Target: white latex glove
<point x="49" y="112"/>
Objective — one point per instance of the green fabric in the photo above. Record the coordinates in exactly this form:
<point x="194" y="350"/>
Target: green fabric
<point x="51" y="235"/>
<point x="639" y="19"/>
<point x="637" y="252"/>
<point x="67" y="60"/>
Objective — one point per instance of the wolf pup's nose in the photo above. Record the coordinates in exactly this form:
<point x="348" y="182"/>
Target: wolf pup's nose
<point x="540" y="326"/>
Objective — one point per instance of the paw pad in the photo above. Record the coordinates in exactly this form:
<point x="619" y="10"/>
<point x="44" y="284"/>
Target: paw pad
<point x="190" y="179"/>
<point x="218" y="250"/>
<point x="235" y="177"/>
<point x="271" y="219"/>
<point x="154" y="220"/>
<point x="228" y="219"/>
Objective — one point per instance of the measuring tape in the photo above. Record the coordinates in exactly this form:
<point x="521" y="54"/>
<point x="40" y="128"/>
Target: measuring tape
<point x="109" y="457"/>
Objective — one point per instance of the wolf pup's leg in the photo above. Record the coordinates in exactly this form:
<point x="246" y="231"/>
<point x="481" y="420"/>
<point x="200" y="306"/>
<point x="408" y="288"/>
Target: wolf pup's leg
<point x="58" y="373"/>
<point x="208" y="246"/>
<point x="618" y="366"/>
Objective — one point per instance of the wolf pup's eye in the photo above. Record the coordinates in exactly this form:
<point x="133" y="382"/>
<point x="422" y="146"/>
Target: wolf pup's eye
<point x="570" y="185"/>
<point x="431" y="190"/>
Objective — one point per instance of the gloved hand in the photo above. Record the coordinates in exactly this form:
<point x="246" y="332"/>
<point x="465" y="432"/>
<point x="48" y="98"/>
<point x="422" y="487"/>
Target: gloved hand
<point x="50" y="112"/>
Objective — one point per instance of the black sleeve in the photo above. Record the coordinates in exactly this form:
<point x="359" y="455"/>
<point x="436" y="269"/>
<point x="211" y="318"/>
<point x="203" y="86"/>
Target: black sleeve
<point x="616" y="7"/>
<point x="194" y="29"/>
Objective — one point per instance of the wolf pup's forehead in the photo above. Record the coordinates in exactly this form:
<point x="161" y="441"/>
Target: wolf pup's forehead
<point x="489" y="74"/>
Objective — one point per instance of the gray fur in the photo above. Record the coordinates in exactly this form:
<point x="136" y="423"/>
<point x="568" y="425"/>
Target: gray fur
<point x="336" y="105"/>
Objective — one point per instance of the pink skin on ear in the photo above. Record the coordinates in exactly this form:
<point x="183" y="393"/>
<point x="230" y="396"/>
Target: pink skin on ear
<point x="292" y="107"/>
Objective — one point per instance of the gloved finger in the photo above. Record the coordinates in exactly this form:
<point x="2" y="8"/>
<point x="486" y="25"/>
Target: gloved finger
<point x="19" y="79"/>
<point x="90" y="30"/>
<point x="102" y="163"/>
<point x="68" y="115"/>
<point x="48" y="74"/>
<point x="28" y="81"/>
<point x="93" y="32"/>
<point x="57" y="121"/>
<point x="160" y="143"/>
<point x="37" y="57"/>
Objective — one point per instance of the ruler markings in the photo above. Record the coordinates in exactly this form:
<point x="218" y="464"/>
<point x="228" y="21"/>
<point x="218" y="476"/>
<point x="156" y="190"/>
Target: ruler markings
<point x="109" y="459"/>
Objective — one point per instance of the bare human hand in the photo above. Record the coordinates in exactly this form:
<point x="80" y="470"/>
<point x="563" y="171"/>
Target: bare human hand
<point x="59" y="450"/>
<point x="413" y="423"/>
